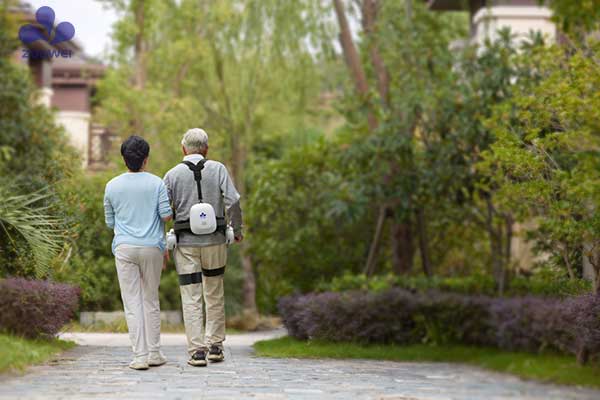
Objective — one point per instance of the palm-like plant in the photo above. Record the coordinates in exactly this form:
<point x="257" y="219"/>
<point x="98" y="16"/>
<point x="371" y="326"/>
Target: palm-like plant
<point x="22" y="219"/>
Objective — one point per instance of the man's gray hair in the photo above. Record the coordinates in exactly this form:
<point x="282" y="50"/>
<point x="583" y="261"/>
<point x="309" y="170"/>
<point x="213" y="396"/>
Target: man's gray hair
<point x="195" y="140"/>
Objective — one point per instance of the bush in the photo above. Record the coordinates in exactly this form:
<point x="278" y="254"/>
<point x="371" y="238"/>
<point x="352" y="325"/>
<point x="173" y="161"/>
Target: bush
<point x="524" y="323"/>
<point x="36" y="308"/>
<point x="367" y="317"/>
<point x="402" y="317"/>
<point x="543" y="283"/>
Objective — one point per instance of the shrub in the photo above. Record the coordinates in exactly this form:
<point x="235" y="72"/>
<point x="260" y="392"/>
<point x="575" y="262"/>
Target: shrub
<point x="399" y="316"/>
<point x="367" y="317"/>
<point x="34" y="308"/>
<point x="453" y="318"/>
<point x="523" y="323"/>
<point x="580" y="317"/>
<point x="543" y="283"/>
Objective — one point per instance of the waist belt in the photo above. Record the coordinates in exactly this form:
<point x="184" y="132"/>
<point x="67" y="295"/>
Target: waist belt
<point x="184" y="226"/>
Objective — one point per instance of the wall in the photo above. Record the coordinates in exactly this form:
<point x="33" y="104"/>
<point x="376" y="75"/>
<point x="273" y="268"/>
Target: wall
<point x="77" y="125"/>
<point x="521" y="19"/>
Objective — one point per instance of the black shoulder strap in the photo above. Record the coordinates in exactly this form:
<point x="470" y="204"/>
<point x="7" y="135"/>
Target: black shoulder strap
<point x="197" y="170"/>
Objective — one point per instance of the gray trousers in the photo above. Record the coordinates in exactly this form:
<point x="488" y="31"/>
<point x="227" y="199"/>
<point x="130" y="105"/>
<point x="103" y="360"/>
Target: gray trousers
<point x="200" y="272"/>
<point x="139" y="270"/>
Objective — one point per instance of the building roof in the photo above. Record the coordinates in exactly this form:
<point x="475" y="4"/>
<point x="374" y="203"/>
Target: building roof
<point x="448" y="5"/>
<point x="473" y="5"/>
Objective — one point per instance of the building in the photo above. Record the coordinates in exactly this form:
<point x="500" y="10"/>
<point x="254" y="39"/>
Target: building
<point x="67" y="83"/>
<point x="488" y="16"/>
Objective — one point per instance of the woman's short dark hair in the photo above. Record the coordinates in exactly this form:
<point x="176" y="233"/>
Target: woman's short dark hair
<point x="134" y="151"/>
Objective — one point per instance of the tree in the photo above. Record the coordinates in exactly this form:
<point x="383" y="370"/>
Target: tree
<point x="545" y="158"/>
<point x="240" y="69"/>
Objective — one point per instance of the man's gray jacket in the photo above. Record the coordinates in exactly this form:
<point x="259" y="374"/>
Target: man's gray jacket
<point x="217" y="190"/>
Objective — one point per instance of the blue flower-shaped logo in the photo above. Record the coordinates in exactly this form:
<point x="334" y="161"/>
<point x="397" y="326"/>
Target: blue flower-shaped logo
<point x="202" y="215"/>
<point x="45" y="18"/>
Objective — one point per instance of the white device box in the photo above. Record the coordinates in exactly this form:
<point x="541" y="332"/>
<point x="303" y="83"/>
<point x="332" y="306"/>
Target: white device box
<point x="203" y="219"/>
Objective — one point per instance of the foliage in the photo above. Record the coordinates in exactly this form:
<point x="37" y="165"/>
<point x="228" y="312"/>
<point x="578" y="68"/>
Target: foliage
<point x="546" y="367"/>
<point x="296" y="237"/>
<point x="575" y="17"/>
<point x="545" y="157"/>
<point x="22" y="221"/>
<point x="36" y="308"/>
<point x="400" y="317"/>
<point x="544" y="282"/>
<point x="16" y="352"/>
<point x="34" y="158"/>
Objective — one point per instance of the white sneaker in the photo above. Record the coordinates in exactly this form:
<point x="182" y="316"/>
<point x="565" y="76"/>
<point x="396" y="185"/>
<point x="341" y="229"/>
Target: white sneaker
<point x="138" y="365"/>
<point x="156" y="359"/>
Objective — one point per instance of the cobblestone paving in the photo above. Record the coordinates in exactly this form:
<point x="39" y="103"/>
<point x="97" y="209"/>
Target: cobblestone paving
<point x="100" y="372"/>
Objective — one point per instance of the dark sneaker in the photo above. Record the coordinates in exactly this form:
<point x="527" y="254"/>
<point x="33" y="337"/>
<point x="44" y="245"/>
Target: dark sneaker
<point x="198" y="359"/>
<point x="215" y="353"/>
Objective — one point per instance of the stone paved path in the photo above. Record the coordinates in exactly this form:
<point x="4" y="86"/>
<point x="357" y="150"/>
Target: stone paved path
<point x="98" y="370"/>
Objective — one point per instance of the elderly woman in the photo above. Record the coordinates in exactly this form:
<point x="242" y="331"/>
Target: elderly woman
<point x="136" y="206"/>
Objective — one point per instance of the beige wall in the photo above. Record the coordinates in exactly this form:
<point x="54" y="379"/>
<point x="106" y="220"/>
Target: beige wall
<point x="77" y="125"/>
<point x="521" y="19"/>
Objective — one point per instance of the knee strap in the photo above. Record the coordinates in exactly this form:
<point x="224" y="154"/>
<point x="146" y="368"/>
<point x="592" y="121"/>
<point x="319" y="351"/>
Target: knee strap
<point x="213" y="272"/>
<point x="188" y="279"/>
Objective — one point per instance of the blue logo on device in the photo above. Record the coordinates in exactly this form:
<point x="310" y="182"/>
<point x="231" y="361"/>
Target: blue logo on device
<point x="202" y="215"/>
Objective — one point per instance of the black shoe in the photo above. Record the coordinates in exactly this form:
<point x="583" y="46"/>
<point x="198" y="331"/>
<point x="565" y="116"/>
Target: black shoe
<point x="198" y="359"/>
<point x="215" y="353"/>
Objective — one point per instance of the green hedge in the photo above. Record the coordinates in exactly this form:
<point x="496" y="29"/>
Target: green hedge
<point x="546" y="282"/>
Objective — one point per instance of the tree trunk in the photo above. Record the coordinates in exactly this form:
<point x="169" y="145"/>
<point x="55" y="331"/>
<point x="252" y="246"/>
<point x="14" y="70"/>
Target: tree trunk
<point x="249" y="288"/>
<point x="423" y="242"/>
<point x="402" y="247"/>
<point x="139" y="54"/>
<point x="353" y="59"/>
<point x="140" y="45"/>
<point x="583" y="355"/>
<point x="375" y="243"/>
<point x="497" y="250"/>
<point x="565" y="255"/>
<point x="369" y="14"/>
<point x="238" y="154"/>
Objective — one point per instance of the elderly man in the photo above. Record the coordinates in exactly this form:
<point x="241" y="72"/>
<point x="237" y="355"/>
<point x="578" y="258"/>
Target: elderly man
<point x="136" y="206"/>
<point x="200" y="259"/>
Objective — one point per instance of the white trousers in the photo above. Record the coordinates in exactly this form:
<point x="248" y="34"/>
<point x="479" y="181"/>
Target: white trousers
<point x="139" y="270"/>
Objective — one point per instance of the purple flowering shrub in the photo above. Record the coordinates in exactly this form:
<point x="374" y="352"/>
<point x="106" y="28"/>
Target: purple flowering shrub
<point x="402" y="317"/>
<point x="34" y="308"/>
<point x="524" y="323"/>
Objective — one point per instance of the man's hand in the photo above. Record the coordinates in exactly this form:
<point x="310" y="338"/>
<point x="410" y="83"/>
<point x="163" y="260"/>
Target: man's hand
<point x="238" y="238"/>
<point x="166" y="259"/>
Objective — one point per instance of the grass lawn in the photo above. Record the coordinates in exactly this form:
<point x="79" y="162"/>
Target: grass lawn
<point x="544" y="367"/>
<point x="17" y="353"/>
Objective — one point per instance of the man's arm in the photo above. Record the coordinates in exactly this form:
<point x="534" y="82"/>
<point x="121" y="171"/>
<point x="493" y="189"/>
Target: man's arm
<point x="231" y="199"/>
<point x="109" y="212"/>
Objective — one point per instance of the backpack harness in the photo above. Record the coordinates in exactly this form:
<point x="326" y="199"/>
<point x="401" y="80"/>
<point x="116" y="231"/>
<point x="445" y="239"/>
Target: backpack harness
<point x="184" y="226"/>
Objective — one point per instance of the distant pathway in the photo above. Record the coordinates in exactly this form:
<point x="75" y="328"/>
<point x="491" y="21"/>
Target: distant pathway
<point x="98" y="370"/>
